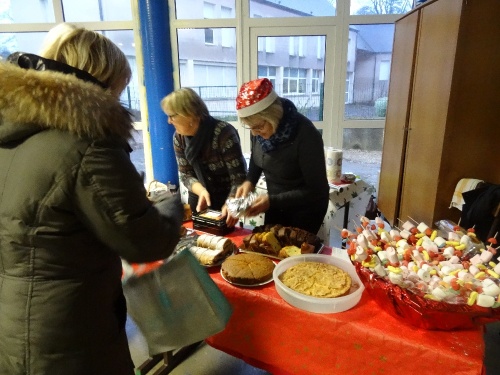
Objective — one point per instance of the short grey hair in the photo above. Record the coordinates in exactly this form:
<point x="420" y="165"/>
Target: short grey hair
<point x="272" y="114"/>
<point x="186" y="102"/>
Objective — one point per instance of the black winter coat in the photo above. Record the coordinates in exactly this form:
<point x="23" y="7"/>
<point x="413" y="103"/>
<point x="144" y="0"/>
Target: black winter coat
<point x="295" y="174"/>
<point x="71" y="204"/>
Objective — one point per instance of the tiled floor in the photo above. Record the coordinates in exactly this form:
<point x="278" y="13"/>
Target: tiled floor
<point x="209" y="361"/>
<point x="204" y="361"/>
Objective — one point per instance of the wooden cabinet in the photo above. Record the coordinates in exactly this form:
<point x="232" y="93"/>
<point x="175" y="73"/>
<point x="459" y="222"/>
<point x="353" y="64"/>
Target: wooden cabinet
<point x="443" y="114"/>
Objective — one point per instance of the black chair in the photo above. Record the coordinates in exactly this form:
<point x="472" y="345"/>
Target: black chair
<point x="481" y="211"/>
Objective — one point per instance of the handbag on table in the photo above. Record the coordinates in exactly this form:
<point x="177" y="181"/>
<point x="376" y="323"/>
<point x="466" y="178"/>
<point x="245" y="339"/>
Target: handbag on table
<point x="176" y="304"/>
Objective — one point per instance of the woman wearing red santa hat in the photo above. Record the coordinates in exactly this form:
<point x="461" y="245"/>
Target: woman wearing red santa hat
<point x="288" y="149"/>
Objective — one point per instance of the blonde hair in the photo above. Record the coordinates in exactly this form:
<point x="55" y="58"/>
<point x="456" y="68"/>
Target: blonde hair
<point x="271" y="114"/>
<point x="185" y="102"/>
<point x="89" y="51"/>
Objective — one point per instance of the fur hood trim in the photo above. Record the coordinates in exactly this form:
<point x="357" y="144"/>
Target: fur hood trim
<point x="54" y="100"/>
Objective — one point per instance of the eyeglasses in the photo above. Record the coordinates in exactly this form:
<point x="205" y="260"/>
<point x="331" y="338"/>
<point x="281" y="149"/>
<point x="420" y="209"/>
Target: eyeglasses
<point x="255" y="128"/>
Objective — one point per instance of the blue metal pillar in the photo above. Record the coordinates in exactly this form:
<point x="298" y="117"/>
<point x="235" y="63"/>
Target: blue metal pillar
<point x="154" y="25"/>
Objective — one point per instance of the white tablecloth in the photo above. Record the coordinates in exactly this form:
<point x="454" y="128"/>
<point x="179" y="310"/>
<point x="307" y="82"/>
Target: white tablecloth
<point x="353" y="197"/>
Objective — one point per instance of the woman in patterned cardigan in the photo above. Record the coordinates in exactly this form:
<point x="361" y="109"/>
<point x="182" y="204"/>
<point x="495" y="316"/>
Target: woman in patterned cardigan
<point x="208" y="152"/>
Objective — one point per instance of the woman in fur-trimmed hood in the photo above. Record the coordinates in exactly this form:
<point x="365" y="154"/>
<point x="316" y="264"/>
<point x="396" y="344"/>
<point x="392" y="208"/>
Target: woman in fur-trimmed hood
<point x="71" y="204"/>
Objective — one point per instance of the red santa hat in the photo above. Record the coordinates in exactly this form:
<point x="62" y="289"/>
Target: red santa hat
<point x="254" y="97"/>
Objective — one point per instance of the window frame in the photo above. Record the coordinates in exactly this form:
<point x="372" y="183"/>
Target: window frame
<point x="248" y="29"/>
<point x="101" y="26"/>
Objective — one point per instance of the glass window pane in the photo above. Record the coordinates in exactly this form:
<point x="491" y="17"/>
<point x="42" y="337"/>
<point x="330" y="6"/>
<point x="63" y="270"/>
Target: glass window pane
<point x="209" y="36"/>
<point x="385" y="70"/>
<point x="208" y="10"/>
<point x="130" y="97"/>
<point x="137" y="154"/>
<point x="226" y="12"/>
<point x="26" y="11"/>
<point x="97" y="10"/>
<point x="200" y="9"/>
<point x="299" y="79"/>
<point x="362" y="153"/>
<point x="20" y="42"/>
<point x="365" y="7"/>
<point x="210" y="69"/>
<point x="369" y="54"/>
<point x="292" y="8"/>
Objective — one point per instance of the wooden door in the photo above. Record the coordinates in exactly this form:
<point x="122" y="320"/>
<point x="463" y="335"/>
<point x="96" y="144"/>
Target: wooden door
<point x="397" y="116"/>
<point x="434" y="69"/>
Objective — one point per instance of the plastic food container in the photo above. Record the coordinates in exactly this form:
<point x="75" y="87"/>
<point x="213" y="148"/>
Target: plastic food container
<point x="315" y="304"/>
<point x="211" y="221"/>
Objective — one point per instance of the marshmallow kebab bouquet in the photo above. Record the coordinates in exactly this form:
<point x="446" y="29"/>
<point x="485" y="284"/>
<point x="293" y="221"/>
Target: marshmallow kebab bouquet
<point x="441" y="279"/>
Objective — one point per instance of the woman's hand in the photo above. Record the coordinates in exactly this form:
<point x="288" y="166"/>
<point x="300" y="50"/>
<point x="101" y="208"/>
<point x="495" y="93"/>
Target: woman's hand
<point x="244" y="189"/>
<point x="261" y="204"/>
<point x="203" y="196"/>
<point x="203" y="200"/>
<point x="230" y="220"/>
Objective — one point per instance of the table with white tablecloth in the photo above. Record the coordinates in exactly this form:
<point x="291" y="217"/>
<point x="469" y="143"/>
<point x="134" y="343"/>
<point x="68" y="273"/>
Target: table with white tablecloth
<point x="344" y="209"/>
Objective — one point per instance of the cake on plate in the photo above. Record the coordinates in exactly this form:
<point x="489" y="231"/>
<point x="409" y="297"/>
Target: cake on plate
<point x="317" y="279"/>
<point x="247" y="269"/>
<point x="281" y="242"/>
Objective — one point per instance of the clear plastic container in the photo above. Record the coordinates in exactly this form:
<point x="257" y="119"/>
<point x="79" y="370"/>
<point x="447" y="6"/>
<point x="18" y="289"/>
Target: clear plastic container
<point x="446" y="226"/>
<point x="315" y="304"/>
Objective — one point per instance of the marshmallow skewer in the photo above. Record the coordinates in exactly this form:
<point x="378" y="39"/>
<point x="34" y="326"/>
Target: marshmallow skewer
<point x="445" y="272"/>
<point x="412" y="219"/>
<point x="358" y="228"/>
<point x="407" y="225"/>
